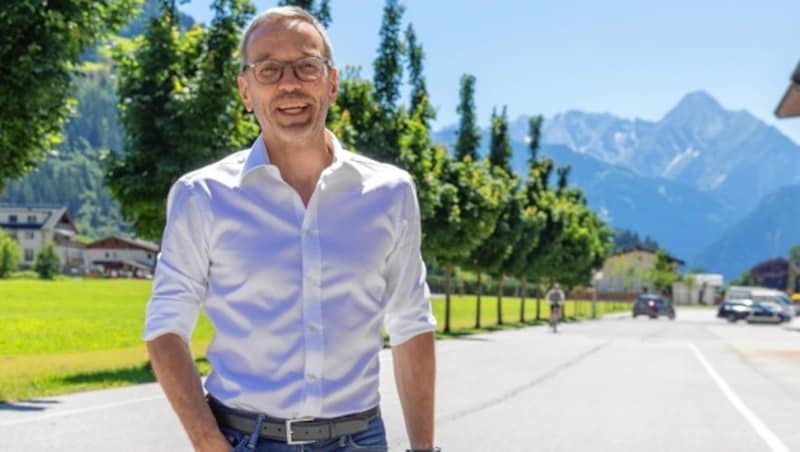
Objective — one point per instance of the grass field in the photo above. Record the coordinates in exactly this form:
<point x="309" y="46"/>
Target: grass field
<point x="74" y="334"/>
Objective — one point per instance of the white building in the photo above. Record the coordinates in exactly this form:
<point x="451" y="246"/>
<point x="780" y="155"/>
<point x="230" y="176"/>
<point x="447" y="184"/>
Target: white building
<point x="122" y="256"/>
<point x="33" y="226"/>
<point x="697" y="288"/>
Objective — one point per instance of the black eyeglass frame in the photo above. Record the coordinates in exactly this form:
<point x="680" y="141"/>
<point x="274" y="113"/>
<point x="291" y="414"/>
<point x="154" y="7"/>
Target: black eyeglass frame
<point x="326" y="62"/>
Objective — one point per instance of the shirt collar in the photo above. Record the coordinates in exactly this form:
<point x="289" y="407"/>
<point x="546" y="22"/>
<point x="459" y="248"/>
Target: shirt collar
<point x="258" y="156"/>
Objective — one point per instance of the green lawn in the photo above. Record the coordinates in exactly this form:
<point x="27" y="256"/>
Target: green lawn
<point x="77" y="334"/>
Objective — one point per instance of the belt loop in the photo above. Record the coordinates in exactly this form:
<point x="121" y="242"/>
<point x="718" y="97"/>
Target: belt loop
<point x="256" y="432"/>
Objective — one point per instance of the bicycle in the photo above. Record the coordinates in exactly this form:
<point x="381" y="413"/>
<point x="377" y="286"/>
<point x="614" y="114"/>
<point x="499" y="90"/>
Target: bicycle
<point x="555" y="317"/>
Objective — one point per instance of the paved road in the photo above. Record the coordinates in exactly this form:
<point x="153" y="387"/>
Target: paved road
<point x="618" y="384"/>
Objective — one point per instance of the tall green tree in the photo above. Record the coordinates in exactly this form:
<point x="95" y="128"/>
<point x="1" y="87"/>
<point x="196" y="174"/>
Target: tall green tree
<point x="387" y="80"/>
<point x="180" y="109"/>
<point x="663" y="273"/>
<point x="469" y="134"/>
<point x="41" y="44"/>
<point x="321" y="11"/>
<point x="9" y="254"/>
<point x="352" y="117"/>
<point x="794" y="255"/>
<point x="420" y="105"/>
<point x="470" y="199"/>
<point x="388" y="66"/>
<point x="47" y="261"/>
<point x="490" y="255"/>
<point x="500" y="143"/>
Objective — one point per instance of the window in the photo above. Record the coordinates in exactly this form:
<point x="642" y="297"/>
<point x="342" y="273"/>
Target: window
<point x="31" y="218"/>
<point x="28" y="254"/>
<point x="29" y="235"/>
<point x="12" y="218"/>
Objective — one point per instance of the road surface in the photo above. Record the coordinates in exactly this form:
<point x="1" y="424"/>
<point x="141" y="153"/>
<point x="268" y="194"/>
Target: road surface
<point x="617" y="384"/>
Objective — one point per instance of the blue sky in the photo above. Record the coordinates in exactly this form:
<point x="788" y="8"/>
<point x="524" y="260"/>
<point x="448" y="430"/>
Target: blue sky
<point x="629" y="58"/>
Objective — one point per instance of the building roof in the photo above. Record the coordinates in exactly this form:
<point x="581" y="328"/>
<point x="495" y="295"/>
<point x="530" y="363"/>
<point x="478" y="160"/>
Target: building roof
<point x="54" y="215"/>
<point x="790" y="103"/>
<point x="113" y="242"/>
<point x="641" y="249"/>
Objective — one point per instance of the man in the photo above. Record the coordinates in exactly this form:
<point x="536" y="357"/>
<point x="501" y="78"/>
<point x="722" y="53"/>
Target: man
<point x="556" y="298"/>
<point x="299" y="252"/>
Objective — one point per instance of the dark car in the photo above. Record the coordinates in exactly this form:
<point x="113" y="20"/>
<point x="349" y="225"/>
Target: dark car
<point x="768" y="312"/>
<point x="653" y="305"/>
<point x="735" y="310"/>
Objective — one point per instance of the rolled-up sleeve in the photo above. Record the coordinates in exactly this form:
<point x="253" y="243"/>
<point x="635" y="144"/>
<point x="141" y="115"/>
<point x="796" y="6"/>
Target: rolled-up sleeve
<point x="408" y="302"/>
<point x="180" y="280"/>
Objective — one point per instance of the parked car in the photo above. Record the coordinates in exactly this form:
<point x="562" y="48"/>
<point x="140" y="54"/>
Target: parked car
<point x="734" y="310"/>
<point x="653" y="305"/>
<point x="759" y="294"/>
<point x="768" y="312"/>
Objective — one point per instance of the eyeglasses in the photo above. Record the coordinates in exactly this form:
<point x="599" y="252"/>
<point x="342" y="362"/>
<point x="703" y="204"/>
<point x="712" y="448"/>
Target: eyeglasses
<point x="308" y="69"/>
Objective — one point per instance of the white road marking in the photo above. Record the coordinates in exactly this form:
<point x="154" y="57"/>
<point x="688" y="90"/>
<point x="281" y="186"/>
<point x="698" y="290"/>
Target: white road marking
<point x="28" y="420"/>
<point x="772" y="440"/>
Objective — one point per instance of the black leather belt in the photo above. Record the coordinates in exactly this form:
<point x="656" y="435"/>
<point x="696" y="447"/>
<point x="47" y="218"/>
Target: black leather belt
<point x="293" y="431"/>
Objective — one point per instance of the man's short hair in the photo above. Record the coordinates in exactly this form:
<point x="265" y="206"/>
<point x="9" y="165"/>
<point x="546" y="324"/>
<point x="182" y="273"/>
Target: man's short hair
<point x="281" y="14"/>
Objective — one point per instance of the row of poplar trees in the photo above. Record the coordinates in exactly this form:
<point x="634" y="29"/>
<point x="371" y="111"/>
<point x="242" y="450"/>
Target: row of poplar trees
<point x="180" y="109"/>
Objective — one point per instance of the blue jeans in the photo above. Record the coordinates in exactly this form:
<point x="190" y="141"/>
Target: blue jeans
<point x="373" y="439"/>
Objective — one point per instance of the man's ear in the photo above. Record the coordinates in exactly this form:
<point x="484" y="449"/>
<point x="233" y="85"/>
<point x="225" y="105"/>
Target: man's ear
<point x="334" y="79"/>
<point x="243" y="92"/>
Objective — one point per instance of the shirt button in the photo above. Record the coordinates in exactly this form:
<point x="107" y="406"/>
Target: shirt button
<point x="312" y="377"/>
<point x="313" y="328"/>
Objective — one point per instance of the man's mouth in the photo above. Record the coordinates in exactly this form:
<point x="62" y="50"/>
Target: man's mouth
<point x="295" y="109"/>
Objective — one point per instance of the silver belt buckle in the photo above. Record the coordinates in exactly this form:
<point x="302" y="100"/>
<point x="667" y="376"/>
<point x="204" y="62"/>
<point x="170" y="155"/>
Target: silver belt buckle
<point x="289" y="440"/>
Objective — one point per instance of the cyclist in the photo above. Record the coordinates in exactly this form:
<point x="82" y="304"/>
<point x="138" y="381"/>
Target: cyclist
<point x="556" y="298"/>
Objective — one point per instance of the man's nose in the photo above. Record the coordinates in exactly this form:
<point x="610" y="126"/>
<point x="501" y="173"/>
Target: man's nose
<point x="289" y="80"/>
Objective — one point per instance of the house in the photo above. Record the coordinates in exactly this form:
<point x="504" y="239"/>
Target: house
<point x="628" y="271"/>
<point x="33" y="226"/>
<point x="698" y="288"/>
<point x="118" y="255"/>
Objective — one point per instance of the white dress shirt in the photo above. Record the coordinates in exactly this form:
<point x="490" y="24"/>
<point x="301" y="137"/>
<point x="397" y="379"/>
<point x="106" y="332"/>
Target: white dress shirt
<point x="297" y="295"/>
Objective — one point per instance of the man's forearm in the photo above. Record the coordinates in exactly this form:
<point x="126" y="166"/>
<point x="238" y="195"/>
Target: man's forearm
<point x="415" y="375"/>
<point x="173" y="365"/>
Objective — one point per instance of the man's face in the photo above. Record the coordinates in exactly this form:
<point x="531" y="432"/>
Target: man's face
<point x="290" y="111"/>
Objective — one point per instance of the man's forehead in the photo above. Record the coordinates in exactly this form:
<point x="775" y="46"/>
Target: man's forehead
<point x="294" y="34"/>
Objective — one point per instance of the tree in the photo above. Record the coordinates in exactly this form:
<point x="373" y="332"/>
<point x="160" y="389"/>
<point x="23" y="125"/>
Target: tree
<point x="420" y="107"/>
<point x="47" y="261"/>
<point x="794" y="255"/>
<point x="469" y="134"/>
<point x="663" y="274"/>
<point x="321" y="12"/>
<point x="355" y="111"/>
<point x="388" y="65"/>
<point x="9" y="254"/>
<point x="500" y="143"/>
<point x="466" y="214"/>
<point x="180" y="109"/>
<point x="384" y="133"/>
<point x="44" y="40"/>
<point x="492" y="253"/>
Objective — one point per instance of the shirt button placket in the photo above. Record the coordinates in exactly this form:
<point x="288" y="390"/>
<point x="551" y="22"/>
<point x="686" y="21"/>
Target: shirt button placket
<point x="312" y="310"/>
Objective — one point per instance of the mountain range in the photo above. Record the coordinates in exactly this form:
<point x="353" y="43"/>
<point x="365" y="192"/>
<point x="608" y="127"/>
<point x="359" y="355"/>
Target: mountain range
<point x="690" y="180"/>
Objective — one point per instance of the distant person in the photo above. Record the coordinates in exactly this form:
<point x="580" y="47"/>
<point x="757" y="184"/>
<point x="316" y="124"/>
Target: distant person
<point x="300" y="252"/>
<point x="555" y="296"/>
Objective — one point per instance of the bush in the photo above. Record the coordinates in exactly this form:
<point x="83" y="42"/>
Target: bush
<point x="47" y="262"/>
<point x="9" y="254"/>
